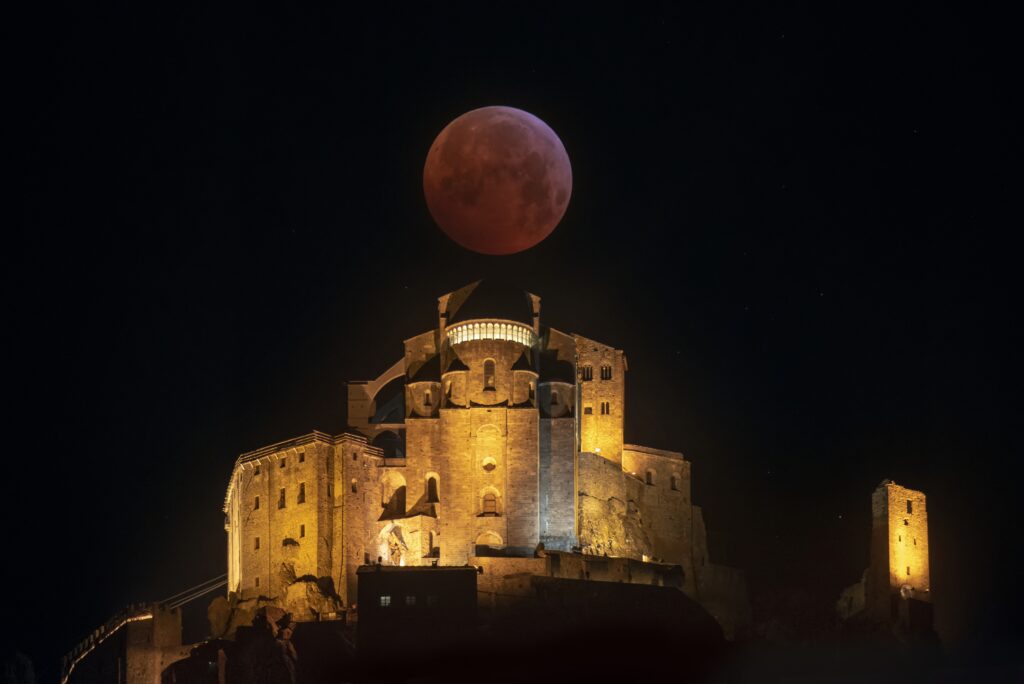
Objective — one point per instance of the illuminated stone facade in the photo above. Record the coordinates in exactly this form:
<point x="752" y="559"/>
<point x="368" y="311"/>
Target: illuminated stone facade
<point x="899" y="571"/>
<point x="492" y="434"/>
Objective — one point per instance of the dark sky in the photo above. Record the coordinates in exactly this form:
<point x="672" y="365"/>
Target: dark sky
<point x="796" y="221"/>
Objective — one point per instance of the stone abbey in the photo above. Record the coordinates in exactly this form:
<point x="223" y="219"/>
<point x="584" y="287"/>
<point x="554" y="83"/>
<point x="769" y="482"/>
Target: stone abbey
<point x="493" y="439"/>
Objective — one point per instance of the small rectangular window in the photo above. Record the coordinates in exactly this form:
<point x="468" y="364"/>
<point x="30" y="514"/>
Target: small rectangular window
<point x="410" y="600"/>
<point x="302" y="457"/>
<point x="432" y="598"/>
<point x="256" y="545"/>
<point x="257" y="581"/>
<point x="385" y="600"/>
<point x="302" y="531"/>
<point x="910" y="506"/>
<point x="302" y="492"/>
<point x="256" y="504"/>
<point x="908" y="571"/>
<point x="280" y="499"/>
<point x="283" y="461"/>
<point x="588" y="410"/>
<point x="257" y="470"/>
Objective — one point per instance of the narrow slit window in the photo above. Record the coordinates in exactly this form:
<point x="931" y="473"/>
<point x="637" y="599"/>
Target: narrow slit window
<point x="910" y="506"/>
<point x="302" y="457"/>
<point x="302" y="530"/>
<point x="256" y="544"/>
<point x="355" y="487"/>
<point x="256" y="504"/>
<point x="283" y="461"/>
<point x="280" y="498"/>
<point x="302" y="492"/>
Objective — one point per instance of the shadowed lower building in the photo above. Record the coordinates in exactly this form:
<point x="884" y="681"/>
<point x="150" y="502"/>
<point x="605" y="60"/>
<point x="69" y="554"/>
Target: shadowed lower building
<point x="490" y="435"/>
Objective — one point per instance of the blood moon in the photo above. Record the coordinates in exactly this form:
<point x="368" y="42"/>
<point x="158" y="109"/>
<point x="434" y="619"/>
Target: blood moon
<point x="497" y="180"/>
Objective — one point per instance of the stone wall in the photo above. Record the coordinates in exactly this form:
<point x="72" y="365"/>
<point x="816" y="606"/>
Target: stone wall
<point x="280" y="498"/>
<point x="601" y="377"/>
<point x="557" y="483"/>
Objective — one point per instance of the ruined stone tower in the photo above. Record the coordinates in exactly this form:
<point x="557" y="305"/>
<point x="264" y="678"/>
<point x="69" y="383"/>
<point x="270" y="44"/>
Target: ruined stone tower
<point x="896" y="586"/>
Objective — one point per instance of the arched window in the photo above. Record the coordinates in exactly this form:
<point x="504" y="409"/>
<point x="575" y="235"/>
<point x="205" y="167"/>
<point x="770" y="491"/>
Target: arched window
<point x="586" y="373"/>
<point x="606" y="372"/>
<point x="426" y="398"/>
<point x="489" y="374"/>
<point x="432" y="490"/>
<point x="554" y="398"/>
<point x="490" y="504"/>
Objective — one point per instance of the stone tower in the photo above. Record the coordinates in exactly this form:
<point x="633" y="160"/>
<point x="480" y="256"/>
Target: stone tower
<point x="899" y="546"/>
<point x="896" y="587"/>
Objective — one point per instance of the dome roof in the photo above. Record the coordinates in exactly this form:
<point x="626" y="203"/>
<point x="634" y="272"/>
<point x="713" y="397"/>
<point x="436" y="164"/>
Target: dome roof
<point x="491" y="299"/>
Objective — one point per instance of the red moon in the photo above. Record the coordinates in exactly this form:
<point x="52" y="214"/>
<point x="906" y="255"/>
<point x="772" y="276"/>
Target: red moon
<point x="497" y="180"/>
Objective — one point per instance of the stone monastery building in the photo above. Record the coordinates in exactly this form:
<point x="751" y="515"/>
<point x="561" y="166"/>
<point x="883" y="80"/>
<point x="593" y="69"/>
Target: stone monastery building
<point x="490" y="435"/>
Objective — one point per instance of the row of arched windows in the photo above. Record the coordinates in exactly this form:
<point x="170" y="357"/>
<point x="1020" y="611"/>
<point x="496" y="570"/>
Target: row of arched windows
<point x="491" y="331"/>
<point x="587" y="372"/>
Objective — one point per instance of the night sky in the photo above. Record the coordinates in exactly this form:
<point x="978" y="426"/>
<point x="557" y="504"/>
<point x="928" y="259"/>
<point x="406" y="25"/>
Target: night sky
<point x="796" y="222"/>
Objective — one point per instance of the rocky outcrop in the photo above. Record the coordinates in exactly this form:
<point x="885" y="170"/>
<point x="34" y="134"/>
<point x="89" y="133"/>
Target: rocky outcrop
<point x="306" y="598"/>
<point x="309" y="598"/>
<point x="613" y="527"/>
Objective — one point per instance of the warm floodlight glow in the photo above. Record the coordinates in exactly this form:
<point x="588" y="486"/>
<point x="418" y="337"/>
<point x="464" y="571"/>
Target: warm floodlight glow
<point x="490" y="330"/>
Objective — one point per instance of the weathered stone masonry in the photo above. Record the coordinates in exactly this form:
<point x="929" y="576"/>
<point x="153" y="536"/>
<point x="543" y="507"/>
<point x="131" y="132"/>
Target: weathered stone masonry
<point x="492" y="434"/>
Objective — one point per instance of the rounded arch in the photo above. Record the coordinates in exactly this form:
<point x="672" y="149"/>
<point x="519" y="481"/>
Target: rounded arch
<point x="489" y="502"/>
<point x="490" y="374"/>
<point x="489" y="538"/>
<point x="432" y="487"/>
<point x="392" y="494"/>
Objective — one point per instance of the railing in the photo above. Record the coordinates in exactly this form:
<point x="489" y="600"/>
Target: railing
<point x="133" y="613"/>
<point x="491" y="330"/>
